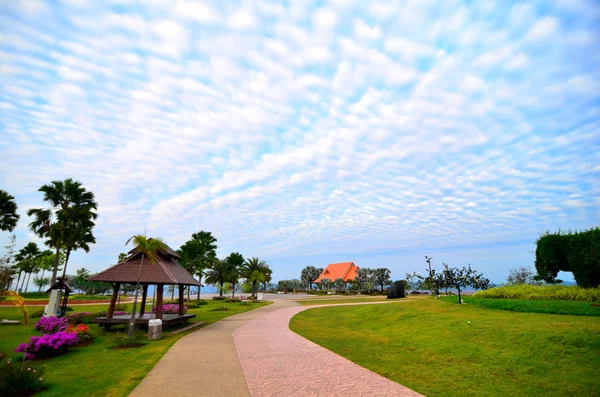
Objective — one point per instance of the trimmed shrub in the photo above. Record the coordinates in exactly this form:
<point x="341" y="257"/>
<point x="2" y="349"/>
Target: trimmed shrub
<point x="570" y="252"/>
<point x="47" y="345"/>
<point x="532" y="292"/>
<point x="195" y="304"/>
<point x="51" y="325"/>
<point x="219" y="298"/>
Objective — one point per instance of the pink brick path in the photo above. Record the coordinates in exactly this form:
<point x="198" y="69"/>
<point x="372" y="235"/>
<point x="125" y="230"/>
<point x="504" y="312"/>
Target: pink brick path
<point x="278" y="362"/>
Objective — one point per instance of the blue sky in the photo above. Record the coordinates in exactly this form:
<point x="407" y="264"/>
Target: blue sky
<point x="309" y="132"/>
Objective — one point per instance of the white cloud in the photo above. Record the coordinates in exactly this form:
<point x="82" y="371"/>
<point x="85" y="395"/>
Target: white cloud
<point x="366" y="32"/>
<point x="324" y="19"/>
<point x="543" y="28"/>
<point x="242" y="20"/>
<point x="197" y="10"/>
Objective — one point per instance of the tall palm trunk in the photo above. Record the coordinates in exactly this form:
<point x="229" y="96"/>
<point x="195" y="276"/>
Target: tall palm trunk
<point x="55" y="268"/>
<point x="221" y="289"/>
<point x="18" y="279"/>
<point x="189" y="289"/>
<point x="40" y="290"/>
<point x="27" y="285"/>
<point x="65" y="265"/>
<point x="200" y="286"/>
<point x="23" y="283"/>
<point x="137" y="290"/>
<point x="172" y="293"/>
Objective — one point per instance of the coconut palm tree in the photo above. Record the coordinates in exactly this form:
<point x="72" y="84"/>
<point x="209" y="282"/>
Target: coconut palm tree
<point x="235" y="261"/>
<point x="8" y="212"/>
<point x="149" y="248"/>
<point x="217" y="274"/>
<point x="28" y="257"/>
<point x="69" y="221"/>
<point x="254" y="271"/>
<point x="309" y="274"/>
<point x="198" y="253"/>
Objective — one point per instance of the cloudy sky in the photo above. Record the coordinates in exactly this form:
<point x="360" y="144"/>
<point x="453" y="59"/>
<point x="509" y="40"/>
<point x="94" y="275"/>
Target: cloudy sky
<point x="309" y="132"/>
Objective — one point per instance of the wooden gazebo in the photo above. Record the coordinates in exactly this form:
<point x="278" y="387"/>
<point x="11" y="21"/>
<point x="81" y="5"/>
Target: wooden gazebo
<point x="166" y="271"/>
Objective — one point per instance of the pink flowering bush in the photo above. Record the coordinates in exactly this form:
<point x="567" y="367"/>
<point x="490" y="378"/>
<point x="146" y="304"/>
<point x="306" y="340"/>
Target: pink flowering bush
<point x="78" y="318"/>
<point x="51" y="325"/>
<point x="170" y="308"/>
<point x="120" y="313"/>
<point x="48" y="345"/>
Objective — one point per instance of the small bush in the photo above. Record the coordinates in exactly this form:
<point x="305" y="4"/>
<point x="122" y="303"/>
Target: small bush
<point x="81" y="317"/>
<point x="219" y="298"/>
<point x="123" y="342"/>
<point x="37" y="314"/>
<point x="531" y="292"/>
<point x="15" y="381"/>
<point x="68" y="309"/>
<point x="47" y="345"/>
<point x="195" y="304"/>
<point x="233" y="300"/>
<point x="82" y="331"/>
<point x="51" y="325"/>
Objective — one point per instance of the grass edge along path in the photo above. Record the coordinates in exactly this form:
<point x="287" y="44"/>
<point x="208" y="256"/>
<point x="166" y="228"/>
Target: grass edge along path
<point x="98" y="369"/>
<point x="439" y="349"/>
<point x="547" y="306"/>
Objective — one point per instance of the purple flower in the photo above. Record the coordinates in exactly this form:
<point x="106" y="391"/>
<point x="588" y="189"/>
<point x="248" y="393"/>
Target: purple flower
<point x="51" y="325"/>
<point x="170" y="308"/>
<point x="47" y="345"/>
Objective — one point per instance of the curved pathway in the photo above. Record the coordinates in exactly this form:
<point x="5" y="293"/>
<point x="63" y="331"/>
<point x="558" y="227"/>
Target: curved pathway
<point x="279" y="362"/>
<point x="203" y="363"/>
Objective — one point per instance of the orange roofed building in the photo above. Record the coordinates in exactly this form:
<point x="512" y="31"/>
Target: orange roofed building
<point x="345" y="270"/>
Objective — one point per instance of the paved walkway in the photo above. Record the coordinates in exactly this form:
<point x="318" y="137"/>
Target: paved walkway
<point x="278" y="362"/>
<point x="203" y="363"/>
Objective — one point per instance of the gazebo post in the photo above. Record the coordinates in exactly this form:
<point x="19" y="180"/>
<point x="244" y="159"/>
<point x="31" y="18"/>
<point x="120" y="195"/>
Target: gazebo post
<point x="144" y="295"/>
<point x="181" y="306"/>
<point x="159" y="301"/>
<point x="113" y="300"/>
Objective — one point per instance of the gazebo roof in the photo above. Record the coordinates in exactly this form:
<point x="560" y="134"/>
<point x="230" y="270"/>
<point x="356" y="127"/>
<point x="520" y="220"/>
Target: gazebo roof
<point x="165" y="271"/>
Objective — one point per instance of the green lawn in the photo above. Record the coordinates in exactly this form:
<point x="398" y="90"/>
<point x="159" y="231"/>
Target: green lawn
<point x="575" y="308"/>
<point x="97" y="369"/>
<point x="332" y="301"/>
<point x="440" y="349"/>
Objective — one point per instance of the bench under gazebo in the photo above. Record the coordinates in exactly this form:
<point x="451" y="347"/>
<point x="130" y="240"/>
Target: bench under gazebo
<point x="166" y="271"/>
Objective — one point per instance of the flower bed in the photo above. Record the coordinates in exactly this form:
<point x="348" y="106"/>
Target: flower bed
<point x="48" y="345"/>
<point x="82" y="331"/>
<point x="170" y="309"/>
<point x="51" y="325"/>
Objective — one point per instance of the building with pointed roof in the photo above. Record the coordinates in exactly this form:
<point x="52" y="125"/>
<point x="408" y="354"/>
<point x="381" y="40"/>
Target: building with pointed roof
<point x="344" y="270"/>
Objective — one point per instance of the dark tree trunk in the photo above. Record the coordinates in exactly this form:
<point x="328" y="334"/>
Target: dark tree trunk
<point x="181" y="305"/>
<point x="172" y="293"/>
<point x="459" y="297"/>
<point x="66" y="261"/>
<point x="18" y="280"/>
<point x="55" y="268"/>
<point x="23" y="283"/>
<point x="144" y="295"/>
<point x="113" y="300"/>
<point x="200" y="286"/>
<point x="27" y="285"/>
<point x="221" y="289"/>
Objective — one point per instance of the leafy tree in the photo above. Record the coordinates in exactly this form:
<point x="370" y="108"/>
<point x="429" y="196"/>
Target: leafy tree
<point x="7" y="275"/>
<point x="149" y="248"/>
<point x="122" y="257"/>
<point x="8" y="212"/>
<point x="522" y="275"/>
<point x="382" y="277"/>
<point x="414" y="280"/>
<point x="28" y="258"/>
<point x="198" y="254"/>
<point x="339" y="284"/>
<point x="458" y="278"/>
<point x="80" y="280"/>
<point x="69" y="221"/>
<point x="254" y="270"/>
<point x="325" y="284"/>
<point x="7" y="261"/>
<point x="40" y="282"/>
<point x="309" y="274"/>
<point x="288" y="285"/>
<point x="365" y="279"/>
<point x="235" y="261"/>
<point x="217" y="274"/>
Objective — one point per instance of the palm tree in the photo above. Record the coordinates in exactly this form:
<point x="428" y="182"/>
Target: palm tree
<point x="198" y="253"/>
<point x="148" y="247"/>
<point x="234" y="261"/>
<point x="254" y="271"/>
<point x="28" y="257"/>
<point x="309" y="274"/>
<point x="69" y="221"/>
<point x="8" y="212"/>
<point x="45" y="263"/>
<point x="217" y="274"/>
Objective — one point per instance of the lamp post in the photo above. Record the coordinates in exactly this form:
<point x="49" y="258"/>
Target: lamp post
<point x="428" y="259"/>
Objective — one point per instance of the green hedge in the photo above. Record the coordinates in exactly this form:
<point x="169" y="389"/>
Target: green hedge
<point x="577" y="252"/>
<point x="558" y="292"/>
